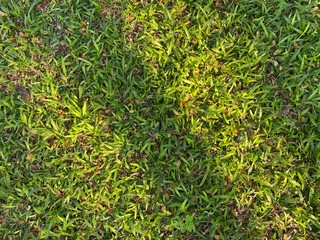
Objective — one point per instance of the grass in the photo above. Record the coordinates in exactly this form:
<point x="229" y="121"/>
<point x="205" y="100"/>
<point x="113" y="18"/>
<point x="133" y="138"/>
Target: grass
<point x="159" y="119"/>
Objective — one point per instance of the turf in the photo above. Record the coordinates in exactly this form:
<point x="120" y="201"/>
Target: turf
<point x="159" y="119"/>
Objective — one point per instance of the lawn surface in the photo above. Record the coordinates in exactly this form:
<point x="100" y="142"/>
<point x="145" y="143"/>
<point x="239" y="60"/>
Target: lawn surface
<point x="159" y="119"/>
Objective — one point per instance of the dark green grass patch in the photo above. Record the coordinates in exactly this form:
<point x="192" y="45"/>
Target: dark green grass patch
<point x="159" y="120"/>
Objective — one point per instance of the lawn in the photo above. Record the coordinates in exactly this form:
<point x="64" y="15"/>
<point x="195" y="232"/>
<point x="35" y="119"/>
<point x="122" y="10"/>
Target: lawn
<point x="164" y="119"/>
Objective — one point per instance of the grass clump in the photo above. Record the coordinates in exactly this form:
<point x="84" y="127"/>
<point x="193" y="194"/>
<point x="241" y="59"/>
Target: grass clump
<point x="159" y="119"/>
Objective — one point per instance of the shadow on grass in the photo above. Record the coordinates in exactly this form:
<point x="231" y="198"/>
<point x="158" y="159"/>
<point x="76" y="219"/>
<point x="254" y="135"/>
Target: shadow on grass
<point x="144" y="121"/>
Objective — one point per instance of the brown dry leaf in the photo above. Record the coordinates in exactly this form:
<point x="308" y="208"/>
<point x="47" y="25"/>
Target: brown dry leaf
<point x="133" y="101"/>
<point x="187" y="97"/>
<point x="105" y="12"/>
<point x="58" y="26"/>
<point x="34" y="167"/>
<point x="134" y="174"/>
<point x="82" y="31"/>
<point x="42" y="7"/>
<point x="21" y="34"/>
<point x="227" y="179"/>
<point x="192" y="112"/>
<point x="314" y="10"/>
<point x="3" y="14"/>
<point x="22" y="91"/>
<point x="144" y="158"/>
<point x="107" y="129"/>
<point x="136" y="198"/>
<point x="36" y="40"/>
<point x="58" y="192"/>
<point x="36" y="231"/>
<point x="178" y="164"/>
<point x="183" y="8"/>
<point x="187" y="23"/>
<point x="208" y="191"/>
<point x="130" y="17"/>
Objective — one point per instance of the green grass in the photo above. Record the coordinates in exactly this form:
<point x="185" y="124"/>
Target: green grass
<point x="159" y="119"/>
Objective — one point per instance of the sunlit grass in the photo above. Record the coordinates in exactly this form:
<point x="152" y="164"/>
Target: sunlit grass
<point x="159" y="119"/>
